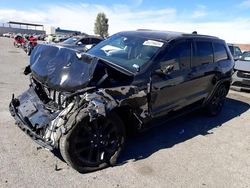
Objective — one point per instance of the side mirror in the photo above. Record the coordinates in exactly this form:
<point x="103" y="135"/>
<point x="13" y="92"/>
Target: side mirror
<point x="165" y="70"/>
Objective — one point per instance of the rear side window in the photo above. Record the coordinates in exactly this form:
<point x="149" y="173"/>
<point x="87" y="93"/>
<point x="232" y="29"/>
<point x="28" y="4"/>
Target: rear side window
<point x="220" y="52"/>
<point x="179" y="56"/>
<point x="203" y="54"/>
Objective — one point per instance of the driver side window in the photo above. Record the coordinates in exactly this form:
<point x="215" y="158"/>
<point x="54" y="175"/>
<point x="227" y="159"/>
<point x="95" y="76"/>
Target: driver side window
<point x="179" y="56"/>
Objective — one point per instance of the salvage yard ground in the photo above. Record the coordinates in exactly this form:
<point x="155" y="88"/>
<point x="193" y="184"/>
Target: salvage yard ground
<point x="192" y="151"/>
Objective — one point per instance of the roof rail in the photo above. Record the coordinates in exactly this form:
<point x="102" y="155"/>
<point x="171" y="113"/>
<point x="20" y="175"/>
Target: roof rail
<point x="144" y="30"/>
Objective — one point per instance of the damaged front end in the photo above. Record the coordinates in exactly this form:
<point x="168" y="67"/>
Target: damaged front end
<point x="59" y="91"/>
<point x="45" y="118"/>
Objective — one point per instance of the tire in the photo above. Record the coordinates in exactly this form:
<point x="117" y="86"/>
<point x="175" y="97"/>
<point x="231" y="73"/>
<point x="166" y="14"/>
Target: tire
<point x="216" y="102"/>
<point x="91" y="146"/>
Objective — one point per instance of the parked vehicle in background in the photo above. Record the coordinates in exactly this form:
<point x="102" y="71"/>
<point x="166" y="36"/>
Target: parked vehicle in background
<point x="50" y="38"/>
<point x="19" y="41"/>
<point x="81" y="43"/>
<point x="85" y="103"/>
<point x="9" y="34"/>
<point x="245" y="52"/>
<point x="235" y="51"/>
<point x="30" y="45"/>
<point x="39" y="36"/>
<point x="241" y="76"/>
<point x="61" y="38"/>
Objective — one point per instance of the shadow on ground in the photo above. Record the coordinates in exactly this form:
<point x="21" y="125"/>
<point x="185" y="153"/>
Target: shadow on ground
<point x="178" y="131"/>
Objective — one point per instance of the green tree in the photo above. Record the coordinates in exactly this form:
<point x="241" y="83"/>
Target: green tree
<point x="101" y="25"/>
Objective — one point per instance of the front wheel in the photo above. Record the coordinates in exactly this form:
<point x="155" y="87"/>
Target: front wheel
<point x="216" y="103"/>
<point x="91" y="146"/>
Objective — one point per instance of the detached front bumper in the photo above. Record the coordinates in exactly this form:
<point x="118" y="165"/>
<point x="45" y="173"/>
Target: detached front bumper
<point x="31" y="116"/>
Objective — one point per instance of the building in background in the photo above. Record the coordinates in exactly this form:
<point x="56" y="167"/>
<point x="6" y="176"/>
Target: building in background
<point x="21" y="27"/>
<point x="33" y="28"/>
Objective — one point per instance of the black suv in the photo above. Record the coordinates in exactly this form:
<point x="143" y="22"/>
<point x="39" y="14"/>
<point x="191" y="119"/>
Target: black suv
<point x="85" y="104"/>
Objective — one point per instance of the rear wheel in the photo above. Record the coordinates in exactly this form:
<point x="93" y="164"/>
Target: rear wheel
<point x="216" y="103"/>
<point x="91" y="146"/>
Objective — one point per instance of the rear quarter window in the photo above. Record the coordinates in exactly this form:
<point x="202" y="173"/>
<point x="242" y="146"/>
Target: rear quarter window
<point x="220" y="52"/>
<point x="203" y="53"/>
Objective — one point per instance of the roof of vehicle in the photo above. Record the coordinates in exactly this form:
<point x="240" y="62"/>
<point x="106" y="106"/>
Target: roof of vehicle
<point x="165" y="35"/>
<point x="88" y="36"/>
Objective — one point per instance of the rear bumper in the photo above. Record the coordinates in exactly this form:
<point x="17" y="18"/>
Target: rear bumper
<point x="31" y="116"/>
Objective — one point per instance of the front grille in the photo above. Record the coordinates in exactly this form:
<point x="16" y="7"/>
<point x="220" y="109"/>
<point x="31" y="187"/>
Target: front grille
<point x="243" y="74"/>
<point x="55" y="96"/>
<point x="52" y="98"/>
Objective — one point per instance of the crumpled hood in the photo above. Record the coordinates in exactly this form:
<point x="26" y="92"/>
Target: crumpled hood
<point x="242" y="65"/>
<point x="60" y="68"/>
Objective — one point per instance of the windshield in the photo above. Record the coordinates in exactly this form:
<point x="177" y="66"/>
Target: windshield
<point x="127" y="51"/>
<point x="70" y="40"/>
<point x="245" y="56"/>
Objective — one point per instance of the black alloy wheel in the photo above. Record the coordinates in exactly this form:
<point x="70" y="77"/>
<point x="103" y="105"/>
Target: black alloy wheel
<point x="91" y="146"/>
<point x="217" y="101"/>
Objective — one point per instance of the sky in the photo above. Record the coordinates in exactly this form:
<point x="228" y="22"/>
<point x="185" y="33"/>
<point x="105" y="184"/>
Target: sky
<point x="227" y="19"/>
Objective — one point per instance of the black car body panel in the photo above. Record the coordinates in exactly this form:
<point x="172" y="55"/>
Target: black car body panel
<point x="60" y="68"/>
<point x="151" y="84"/>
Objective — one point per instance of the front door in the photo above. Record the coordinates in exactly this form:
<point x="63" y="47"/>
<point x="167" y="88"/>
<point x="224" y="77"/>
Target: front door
<point x="171" y="90"/>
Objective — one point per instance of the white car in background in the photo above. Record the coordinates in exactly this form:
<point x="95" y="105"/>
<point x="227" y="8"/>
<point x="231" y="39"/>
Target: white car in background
<point x="9" y="34"/>
<point x="241" y="76"/>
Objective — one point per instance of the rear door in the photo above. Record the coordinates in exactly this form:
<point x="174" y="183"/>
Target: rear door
<point x="202" y="68"/>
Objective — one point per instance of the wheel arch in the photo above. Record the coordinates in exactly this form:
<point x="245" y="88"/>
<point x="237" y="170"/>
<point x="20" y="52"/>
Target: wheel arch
<point x="129" y="119"/>
<point x="226" y="82"/>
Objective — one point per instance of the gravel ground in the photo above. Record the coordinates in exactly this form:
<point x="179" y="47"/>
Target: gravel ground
<point x="192" y="151"/>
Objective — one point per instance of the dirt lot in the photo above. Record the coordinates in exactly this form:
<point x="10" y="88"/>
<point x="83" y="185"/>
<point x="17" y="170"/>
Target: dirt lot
<point x="193" y="151"/>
